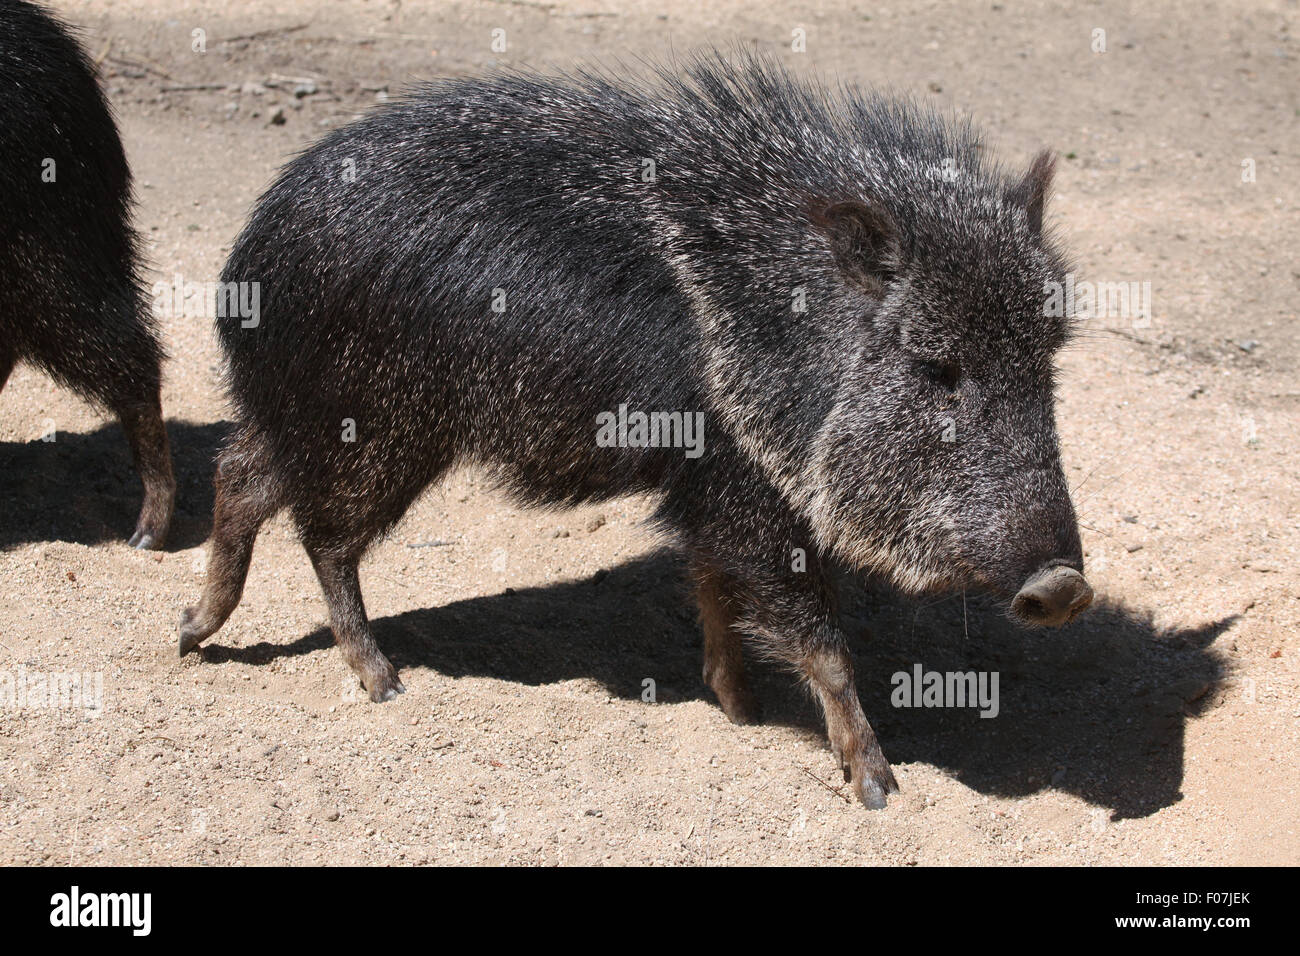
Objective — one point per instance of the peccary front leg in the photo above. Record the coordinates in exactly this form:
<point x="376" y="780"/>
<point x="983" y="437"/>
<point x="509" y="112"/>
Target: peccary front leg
<point x="829" y="673"/>
<point x="776" y="593"/>
<point x="793" y="618"/>
<point x="718" y="597"/>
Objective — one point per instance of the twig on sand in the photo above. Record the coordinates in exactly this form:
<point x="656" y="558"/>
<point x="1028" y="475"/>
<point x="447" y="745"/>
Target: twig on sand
<point x="142" y="65"/>
<point x="525" y="3"/>
<point x="1126" y="334"/>
<point x="194" y="87"/>
<point x="261" y="34"/>
<point x="835" y="790"/>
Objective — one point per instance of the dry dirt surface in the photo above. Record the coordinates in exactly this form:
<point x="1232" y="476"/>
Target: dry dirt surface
<point x="1160" y="728"/>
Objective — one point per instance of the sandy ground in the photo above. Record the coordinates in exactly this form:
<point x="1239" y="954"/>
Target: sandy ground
<point x="1161" y="728"/>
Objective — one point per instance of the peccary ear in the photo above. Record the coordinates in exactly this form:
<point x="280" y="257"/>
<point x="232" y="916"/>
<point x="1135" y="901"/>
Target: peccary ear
<point x="864" y="241"/>
<point x="1031" y="191"/>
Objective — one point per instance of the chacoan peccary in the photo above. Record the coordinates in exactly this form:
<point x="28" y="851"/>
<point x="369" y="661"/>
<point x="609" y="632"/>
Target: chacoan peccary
<point x="71" y="301"/>
<point x="840" y="284"/>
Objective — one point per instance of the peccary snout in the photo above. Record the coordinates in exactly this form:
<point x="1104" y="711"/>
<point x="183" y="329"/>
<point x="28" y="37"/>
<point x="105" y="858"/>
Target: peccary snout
<point x="1051" y="597"/>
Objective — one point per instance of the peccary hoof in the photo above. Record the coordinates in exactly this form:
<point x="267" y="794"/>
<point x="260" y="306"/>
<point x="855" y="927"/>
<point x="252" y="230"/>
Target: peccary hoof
<point x="142" y="540"/>
<point x="872" y="796"/>
<point x="190" y="637"/>
<point x="387" y="691"/>
<point x="872" y="779"/>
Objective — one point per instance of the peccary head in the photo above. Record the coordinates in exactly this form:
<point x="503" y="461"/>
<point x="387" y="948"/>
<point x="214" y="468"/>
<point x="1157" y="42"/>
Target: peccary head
<point x="939" y="464"/>
<point x="904" y="404"/>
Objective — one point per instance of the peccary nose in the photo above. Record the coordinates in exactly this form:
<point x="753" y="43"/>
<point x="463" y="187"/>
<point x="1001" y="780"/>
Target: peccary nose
<point x="1051" y="597"/>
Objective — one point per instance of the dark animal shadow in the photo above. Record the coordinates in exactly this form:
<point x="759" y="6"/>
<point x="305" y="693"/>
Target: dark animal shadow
<point x="82" y="487"/>
<point x="1096" y="709"/>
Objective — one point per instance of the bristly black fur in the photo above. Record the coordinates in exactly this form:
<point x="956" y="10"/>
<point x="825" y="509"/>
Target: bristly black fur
<point x="840" y="283"/>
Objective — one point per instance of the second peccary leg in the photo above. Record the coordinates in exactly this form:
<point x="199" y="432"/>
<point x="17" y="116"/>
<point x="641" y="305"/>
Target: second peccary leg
<point x="724" y="666"/>
<point x="143" y="424"/>
<point x="342" y="587"/>
<point x="112" y="357"/>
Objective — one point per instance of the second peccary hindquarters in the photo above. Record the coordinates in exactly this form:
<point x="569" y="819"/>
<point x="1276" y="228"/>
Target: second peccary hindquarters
<point x="71" y="303"/>
<point x="838" y="298"/>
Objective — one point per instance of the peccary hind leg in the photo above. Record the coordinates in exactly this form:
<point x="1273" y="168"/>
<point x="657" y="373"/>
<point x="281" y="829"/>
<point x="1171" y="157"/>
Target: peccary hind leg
<point x="243" y="503"/>
<point x="342" y="587"/>
<point x="114" y="360"/>
<point x="143" y="424"/>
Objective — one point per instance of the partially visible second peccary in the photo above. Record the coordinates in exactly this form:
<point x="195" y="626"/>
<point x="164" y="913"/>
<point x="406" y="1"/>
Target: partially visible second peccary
<point x="70" y="297"/>
<point x="530" y="274"/>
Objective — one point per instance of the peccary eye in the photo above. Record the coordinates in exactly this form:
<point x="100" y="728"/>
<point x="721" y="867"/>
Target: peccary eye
<point x="946" y="374"/>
